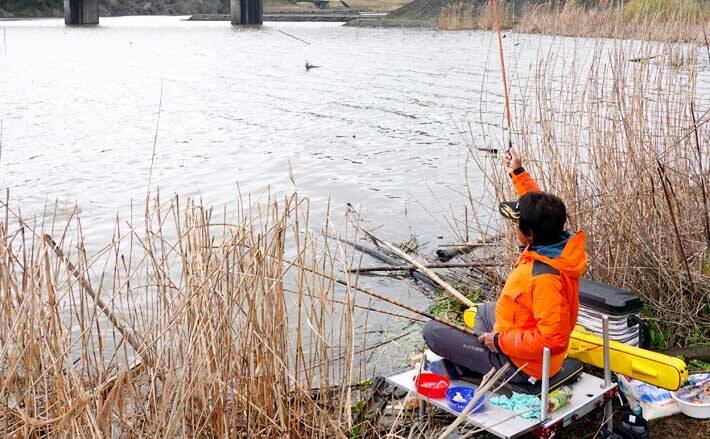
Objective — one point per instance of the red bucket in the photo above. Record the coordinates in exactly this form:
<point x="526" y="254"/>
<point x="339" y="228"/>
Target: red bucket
<point x="432" y="385"/>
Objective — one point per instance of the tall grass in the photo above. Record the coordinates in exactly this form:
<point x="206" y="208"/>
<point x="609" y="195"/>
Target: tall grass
<point x="657" y="20"/>
<point x="625" y="144"/>
<point x="464" y="15"/>
<point x="692" y="11"/>
<point x="204" y="327"/>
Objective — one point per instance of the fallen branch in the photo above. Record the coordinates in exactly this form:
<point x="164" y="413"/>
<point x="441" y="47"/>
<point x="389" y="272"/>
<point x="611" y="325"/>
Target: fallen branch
<point x="475" y="244"/>
<point x="381" y="256"/>
<point x="446" y="252"/>
<point x="701" y="352"/>
<point x="435" y="277"/>
<point x="445" y="285"/>
<point x="414" y="267"/>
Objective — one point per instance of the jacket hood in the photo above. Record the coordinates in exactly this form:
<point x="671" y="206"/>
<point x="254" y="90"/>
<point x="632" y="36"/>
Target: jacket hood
<point x="568" y="256"/>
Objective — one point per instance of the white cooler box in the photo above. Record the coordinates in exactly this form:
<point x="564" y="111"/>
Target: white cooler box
<point x="622" y="307"/>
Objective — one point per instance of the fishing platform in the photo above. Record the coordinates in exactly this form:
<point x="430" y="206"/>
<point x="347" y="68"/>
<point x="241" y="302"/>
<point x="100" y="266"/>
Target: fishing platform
<point x="610" y="336"/>
<point x="588" y="394"/>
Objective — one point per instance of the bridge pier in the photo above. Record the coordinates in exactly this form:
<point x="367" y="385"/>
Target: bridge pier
<point x="246" y="11"/>
<point x="81" y="12"/>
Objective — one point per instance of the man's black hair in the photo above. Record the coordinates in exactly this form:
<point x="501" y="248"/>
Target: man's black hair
<point x="544" y="215"/>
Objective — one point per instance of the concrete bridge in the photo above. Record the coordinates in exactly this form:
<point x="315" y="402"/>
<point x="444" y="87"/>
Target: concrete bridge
<point x="78" y="12"/>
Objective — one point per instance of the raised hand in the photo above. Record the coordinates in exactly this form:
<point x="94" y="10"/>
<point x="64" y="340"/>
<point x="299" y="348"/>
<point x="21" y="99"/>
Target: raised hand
<point x="512" y="159"/>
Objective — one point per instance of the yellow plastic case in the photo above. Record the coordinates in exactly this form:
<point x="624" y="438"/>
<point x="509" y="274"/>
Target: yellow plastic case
<point x="650" y="367"/>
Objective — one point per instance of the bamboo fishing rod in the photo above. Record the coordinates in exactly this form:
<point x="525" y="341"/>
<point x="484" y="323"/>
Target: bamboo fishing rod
<point x="505" y="80"/>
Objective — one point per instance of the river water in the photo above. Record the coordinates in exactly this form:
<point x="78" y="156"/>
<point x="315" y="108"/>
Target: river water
<point x="377" y="124"/>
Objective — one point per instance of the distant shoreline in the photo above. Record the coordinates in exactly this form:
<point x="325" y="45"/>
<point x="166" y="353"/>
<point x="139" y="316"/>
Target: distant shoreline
<point x="297" y="16"/>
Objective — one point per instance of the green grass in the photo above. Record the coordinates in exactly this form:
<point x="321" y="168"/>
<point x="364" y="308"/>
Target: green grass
<point x="450" y="308"/>
<point x="659" y="337"/>
<point x="698" y="365"/>
<point x="692" y="10"/>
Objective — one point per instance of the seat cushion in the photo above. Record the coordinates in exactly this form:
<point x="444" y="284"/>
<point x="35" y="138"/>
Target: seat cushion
<point x="567" y="375"/>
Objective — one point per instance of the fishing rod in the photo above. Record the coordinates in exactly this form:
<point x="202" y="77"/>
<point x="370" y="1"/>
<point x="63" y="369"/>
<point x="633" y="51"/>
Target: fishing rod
<point x="505" y="80"/>
<point x="294" y="37"/>
<point x="367" y="308"/>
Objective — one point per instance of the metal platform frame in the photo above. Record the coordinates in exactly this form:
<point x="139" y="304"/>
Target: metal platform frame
<point x="589" y="393"/>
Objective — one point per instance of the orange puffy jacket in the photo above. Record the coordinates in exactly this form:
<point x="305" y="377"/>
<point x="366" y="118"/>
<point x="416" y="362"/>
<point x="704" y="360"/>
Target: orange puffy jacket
<point x="539" y="302"/>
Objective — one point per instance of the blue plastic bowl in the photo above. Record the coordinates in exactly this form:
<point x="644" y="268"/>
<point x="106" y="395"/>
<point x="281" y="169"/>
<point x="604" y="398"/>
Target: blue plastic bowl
<point x="465" y="394"/>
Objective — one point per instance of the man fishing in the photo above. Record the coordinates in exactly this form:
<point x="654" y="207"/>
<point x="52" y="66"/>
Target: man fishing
<point x="538" y="305"/>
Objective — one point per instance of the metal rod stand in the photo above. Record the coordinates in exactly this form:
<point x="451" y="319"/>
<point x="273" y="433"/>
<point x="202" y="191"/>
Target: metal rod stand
<point x="545" y="383"/>
<point x="608" y="414"/>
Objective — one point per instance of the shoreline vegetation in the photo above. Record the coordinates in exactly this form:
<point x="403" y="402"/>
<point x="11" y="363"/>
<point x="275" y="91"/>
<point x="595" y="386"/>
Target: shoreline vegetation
<point x="623" y="138"/>
<point x="655" y="20"/>
<point x="203" y="327"/>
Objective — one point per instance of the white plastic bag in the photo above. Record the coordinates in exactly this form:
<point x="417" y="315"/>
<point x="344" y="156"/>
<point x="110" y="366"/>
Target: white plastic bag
<point x="655" y="402"/>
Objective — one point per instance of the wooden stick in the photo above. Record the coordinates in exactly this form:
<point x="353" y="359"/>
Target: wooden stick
<point x="445" y="285"/>
<point x="103" y="306"/>
<point x="414" y="267"/>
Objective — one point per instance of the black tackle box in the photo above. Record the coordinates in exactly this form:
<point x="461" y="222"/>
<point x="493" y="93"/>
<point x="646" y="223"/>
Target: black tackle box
<point x="621" y="306"/>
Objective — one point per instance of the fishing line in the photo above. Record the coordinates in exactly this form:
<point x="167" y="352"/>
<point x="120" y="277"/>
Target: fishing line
<point x="292" y="36"/>
<point x="309" y="66"/>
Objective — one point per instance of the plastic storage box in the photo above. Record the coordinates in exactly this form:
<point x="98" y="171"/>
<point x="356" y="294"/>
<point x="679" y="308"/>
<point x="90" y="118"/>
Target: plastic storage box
<point x="622" y="307"/>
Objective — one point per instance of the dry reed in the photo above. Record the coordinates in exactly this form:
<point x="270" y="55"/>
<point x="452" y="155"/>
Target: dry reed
<point x="207" y="330"/>
<point x="625" y="144"/>
<point x="464" y="15"/>
<point x="656" y="20"/>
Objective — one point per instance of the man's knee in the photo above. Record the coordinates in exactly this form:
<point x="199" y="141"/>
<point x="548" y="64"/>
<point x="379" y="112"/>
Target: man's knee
<point x="431" y="333"/>
<point x="486" y="316"/>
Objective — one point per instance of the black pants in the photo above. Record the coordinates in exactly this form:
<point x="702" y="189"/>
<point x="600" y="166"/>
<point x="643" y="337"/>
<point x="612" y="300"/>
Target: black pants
<point x="464" y="349"/>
